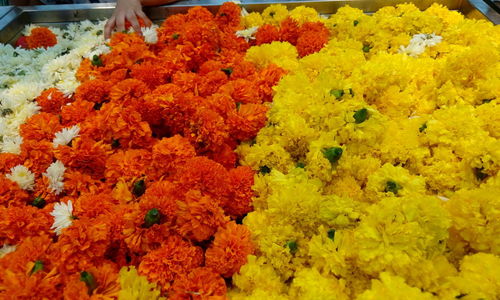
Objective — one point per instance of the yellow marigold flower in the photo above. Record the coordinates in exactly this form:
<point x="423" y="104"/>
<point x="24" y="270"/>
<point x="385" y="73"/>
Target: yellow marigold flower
<point x="309" y="284"/>
<point x="479" y="278"/>
<point x="253" y="19"/>
<point x="396" y="232"/>
<point x="274" y="14"/>
<point x="256" y="294"/>
<point x="136" y="287"/>
<point x="303" y="14"/>
<point x="449" y="17"/>
<point x="258" y="274"/>
<point x="393" y="181"/>
<point x="282" y="54"/>
<point x="393" y="288"/>
<point x="475" y="216"/>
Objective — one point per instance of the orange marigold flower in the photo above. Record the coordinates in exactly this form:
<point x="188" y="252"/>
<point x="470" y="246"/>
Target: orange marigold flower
<point x="127" y="164"/>
<point x="209" y="129"/>
<point x="240" y="202"/>
<point x="40" y="126"/>
<point x="19" y="282"/>
<point x="107" y="285"/>
<point x="289" y="31"/>
<point x="266" y="34"/>
<point x="269" y="77"/>
<point x="229" y="250"/>
<point x="52" y="100"/>
<point x="228" y="17"/>
<point x="187" y="81"/>
<point x="127" y="90"/>
<point x="176" y="257"/>
<point x="199" y="216"/>
<point x="77" y="183"/>
<point x="170" y="153"/>
<point x="205" y="175"/>
<point x="86" y="155"/>
<point x="95" y="90"/>
<point x="247" y="121"/>
<point x="76" y="112"/>
<point x="210" y="82"/>
<point x="243" y="69"/>
<point x="11" y="194"/>
<point x="9" y="160"/>
<point x="85" y="206"/>
<point x="87" y="71"/>
<point x="313" y="36"/>
<point x="37" y="155"/>
<point x="242" y="91"/>
<point x="221" y="103"/>
<point x="199" y="14"/>
<point x="224" y="155"/>
<point x="43" y="191"/>
<point x="17" y="223"/>
<point x="152" y="73"/>
<point x="82" y="245"/>
<point x="41" y="37"/>
<point x="209" y="66"/>
<point x="200" y="283"/>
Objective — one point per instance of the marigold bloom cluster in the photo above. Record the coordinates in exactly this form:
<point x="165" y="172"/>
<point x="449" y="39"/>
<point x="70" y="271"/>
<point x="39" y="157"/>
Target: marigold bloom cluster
<point x="379" y="163"/>
<point x="129" y="187"/>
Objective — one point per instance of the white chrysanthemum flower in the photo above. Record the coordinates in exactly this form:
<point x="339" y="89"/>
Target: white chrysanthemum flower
<point x="22" y="176"/>
<point x="6" y="249"/>
<point x="66" y="135"/>
<point x="419" y="42"/>
<point x="150" y="34"/>
<point x="12" y="144"/>
<point x="55" y="174"/>
<point x="63" y="216"/>
<point x="247" y="34"/>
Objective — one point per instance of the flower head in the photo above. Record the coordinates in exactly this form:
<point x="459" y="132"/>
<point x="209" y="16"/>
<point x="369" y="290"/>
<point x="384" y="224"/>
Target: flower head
<point x="22" y="176"/>
<point x="63" y="216"/>
<point x="55" y="174"/>
<point x="66" y="135"/>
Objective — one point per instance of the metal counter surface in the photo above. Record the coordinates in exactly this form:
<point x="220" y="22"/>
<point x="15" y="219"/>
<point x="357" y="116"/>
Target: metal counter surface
<point x="13" y="19"/>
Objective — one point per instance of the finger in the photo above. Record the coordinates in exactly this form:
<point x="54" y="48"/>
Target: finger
<point x="131" y="17"/>
<point x="120" y="22"/>
<point x="108" y="28"/>
<point x="142" y="15"/>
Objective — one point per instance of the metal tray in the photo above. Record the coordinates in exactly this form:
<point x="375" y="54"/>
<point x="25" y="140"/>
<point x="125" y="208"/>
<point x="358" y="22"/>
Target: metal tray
<point x="13" y="19"/>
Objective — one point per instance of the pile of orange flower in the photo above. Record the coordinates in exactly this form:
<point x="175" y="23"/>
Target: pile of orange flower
<point x="151" y="175"/>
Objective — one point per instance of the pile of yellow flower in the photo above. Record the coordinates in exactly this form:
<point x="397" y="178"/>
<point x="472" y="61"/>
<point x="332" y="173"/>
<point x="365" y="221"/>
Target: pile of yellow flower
<point x="379" y="165"/>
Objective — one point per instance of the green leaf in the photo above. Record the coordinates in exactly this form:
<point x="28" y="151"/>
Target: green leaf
<point x="238" y="105"/>
<point x="331" y="234"/>
<point x="337" y="93"/>
<point x="99" y="32"/>
<point x="265" y="170"/>
<point x="153" y="216"/>
<point x="38" y="266"/>
<point x="300" y="165"/>
<point x="480" y="175"/>
<point x="292" y="246"/>
<point x="360" y="116"/>
<point x="96" y="61"/>
<point x="366" y="48"/>
<point x="228" y="71"/>
<point x="175" y="36"/>
<point x="355" y="23"/>
<point x="89" y="280"/>
<point x="487" y="100"/>
<point x="115" y="143"/>
<point x="423" y="127"/>
<point x="392" y="186"/>
<point x="139" y="188"/>
<point x="6" y="112"/>
<point x="38" y="202"/>
<point x="333" y="154"/>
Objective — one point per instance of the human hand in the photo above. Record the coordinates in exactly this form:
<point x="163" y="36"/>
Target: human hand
<point x="126" y="10"/>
